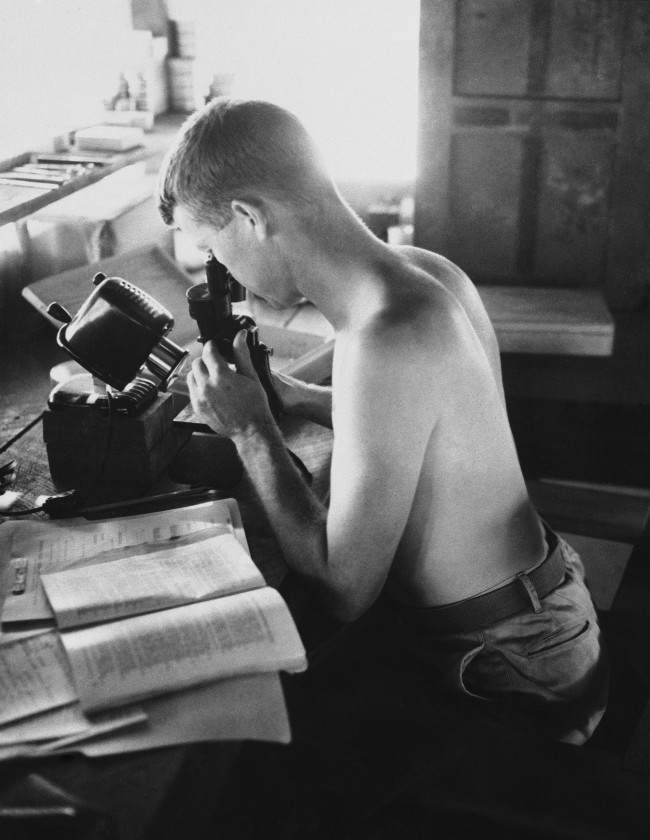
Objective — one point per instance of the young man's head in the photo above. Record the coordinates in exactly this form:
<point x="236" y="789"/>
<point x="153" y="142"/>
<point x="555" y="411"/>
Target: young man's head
<point x="239" y="174"/>
<point x="234" y="150"/>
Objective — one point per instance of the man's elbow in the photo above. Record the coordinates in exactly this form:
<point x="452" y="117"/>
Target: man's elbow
<point x="346" y="613"/>
<point x="347" y="590"/>
<point x="347" y="604"/>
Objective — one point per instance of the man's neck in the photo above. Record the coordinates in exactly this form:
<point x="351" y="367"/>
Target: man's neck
<point x="338" y="265"/>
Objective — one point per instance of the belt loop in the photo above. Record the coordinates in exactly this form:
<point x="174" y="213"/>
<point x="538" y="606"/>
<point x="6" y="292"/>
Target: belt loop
<point x="529" y="586"/>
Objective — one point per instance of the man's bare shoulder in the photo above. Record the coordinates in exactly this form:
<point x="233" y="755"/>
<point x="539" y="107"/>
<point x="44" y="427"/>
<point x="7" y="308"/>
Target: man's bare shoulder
<point x="459" y="286"/>
<point x="443" y="269"/>
<point x="445" y="272"/>
<point x="420" y="328"/>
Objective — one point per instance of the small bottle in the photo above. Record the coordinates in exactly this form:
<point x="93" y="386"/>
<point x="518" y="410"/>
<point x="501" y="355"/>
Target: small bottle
<point x="122" y="100"/>
<point x="140" y="96"/>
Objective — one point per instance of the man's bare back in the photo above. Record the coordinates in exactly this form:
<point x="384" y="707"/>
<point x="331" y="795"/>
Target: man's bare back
<point x="471" y="525"/>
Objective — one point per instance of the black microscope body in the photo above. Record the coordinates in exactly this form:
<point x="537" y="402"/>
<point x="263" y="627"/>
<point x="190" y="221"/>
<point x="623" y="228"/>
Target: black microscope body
<point x="210" y="304"/>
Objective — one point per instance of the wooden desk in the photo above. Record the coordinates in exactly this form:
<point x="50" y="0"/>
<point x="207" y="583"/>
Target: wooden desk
<point x="166" y="792"/>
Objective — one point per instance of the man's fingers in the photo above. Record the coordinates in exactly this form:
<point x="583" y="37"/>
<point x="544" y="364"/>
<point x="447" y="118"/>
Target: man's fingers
<point x="192" y="379"/>
<point x="212" y="358"/>
<point x="243" y="361"/>
<point x="212" y="364"/>
<point x="198" y="373"/>
<point x="191" y="386"/>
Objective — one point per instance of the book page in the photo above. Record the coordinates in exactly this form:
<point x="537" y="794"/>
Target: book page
<point x="251" y="708"/>
<point x="134" y="658"/>
<point x="34" y="676"/>
<point x="68" y="721"/>
<point x="34" y="548"/>
<point x="210" y="568"/>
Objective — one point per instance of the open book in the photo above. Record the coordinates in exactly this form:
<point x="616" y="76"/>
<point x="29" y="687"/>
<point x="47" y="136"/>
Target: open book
<point x="163" y="621"/>
<point x="30" y="549"/>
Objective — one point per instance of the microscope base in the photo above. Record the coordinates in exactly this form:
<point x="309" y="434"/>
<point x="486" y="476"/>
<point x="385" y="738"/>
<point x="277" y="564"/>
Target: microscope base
<point x="112" y="457"/>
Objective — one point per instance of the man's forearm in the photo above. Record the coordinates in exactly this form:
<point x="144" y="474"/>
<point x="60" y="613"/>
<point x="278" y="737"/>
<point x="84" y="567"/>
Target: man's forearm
<point x="303" y="399"/>
<point x="299" y="522"/>
<point x="315" y="405"/>
<point x="298" y="518"/>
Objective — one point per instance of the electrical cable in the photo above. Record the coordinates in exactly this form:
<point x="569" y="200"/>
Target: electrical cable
<point x="110" y="404"/>
<point x="22" y="432"/>
<point x="10" y="514"/>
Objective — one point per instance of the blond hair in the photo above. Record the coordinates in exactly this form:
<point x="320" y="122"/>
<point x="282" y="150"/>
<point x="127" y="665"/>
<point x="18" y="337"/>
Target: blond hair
<point x="239" y="149"/>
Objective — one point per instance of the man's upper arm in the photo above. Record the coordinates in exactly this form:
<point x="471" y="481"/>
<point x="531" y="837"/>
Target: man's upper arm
<point x="385" y="412"/>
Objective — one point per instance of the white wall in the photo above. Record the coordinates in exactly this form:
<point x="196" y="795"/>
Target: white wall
<point x="347" y="68"/>
<point x="58" y="59"/>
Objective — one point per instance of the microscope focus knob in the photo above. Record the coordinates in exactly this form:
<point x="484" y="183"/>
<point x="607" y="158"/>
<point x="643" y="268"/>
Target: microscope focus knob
<point x="59" y="312"/>
<point x="97" y="279"/>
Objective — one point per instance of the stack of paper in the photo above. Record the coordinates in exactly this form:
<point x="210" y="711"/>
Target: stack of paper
<point x="162" y="631"/>
<point x="109" y="138"/>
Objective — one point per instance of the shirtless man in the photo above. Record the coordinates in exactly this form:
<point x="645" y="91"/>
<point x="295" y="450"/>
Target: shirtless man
<point x="427" y="501"/>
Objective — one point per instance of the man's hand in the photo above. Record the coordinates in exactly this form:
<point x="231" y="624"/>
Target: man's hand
<point x="231" y="402"/>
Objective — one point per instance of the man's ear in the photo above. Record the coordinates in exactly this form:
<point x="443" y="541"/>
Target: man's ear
<point x="252" y="213"/>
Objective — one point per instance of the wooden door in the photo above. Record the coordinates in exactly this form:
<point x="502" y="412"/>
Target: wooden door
<point x="533" y="138"/>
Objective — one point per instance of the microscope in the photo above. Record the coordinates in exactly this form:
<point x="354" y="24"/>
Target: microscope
<point x="210" y="304"/>
<point x="111" y="432"/>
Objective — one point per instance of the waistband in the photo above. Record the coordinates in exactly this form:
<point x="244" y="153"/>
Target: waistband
<point x="523" y="592"/>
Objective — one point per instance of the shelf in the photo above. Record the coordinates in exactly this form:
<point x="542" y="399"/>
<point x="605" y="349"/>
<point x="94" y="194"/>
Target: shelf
<point x="16" y="202"/>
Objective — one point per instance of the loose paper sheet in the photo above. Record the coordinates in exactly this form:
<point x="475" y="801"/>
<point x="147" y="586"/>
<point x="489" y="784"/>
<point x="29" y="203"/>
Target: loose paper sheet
<point x="68" y="722"/>
<point x="34" y="676"/>
<point x="134" y="658"/>
<point x="250" y="707"/>
<point x="240" y="708"/>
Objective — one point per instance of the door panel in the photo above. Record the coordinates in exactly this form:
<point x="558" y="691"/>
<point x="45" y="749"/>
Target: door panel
<point x="585" y="49"/>
<point x="492" y="47"/>
<point x="484" y="199"/>
<point x="529" y="117"/>
<point x="571" y="240"/>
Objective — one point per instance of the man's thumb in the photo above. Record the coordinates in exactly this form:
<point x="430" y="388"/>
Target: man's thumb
<point x="243" y="361"/>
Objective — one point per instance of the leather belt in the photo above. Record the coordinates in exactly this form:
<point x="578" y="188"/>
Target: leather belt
<point x="513" y="597"/>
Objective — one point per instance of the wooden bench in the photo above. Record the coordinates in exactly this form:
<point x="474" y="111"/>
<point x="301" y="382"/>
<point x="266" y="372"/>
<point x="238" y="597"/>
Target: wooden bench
<point x="530" y="319"/>
<point x="526" y="319"/>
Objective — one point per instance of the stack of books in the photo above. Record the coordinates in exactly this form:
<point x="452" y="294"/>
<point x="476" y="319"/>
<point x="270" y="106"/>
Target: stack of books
<point x="148" y="630"/>
<point x="183" y="38"/>
<point x="109" y="138"/>
<point x="186" y="85"/>
<point x="185" y="91"/>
